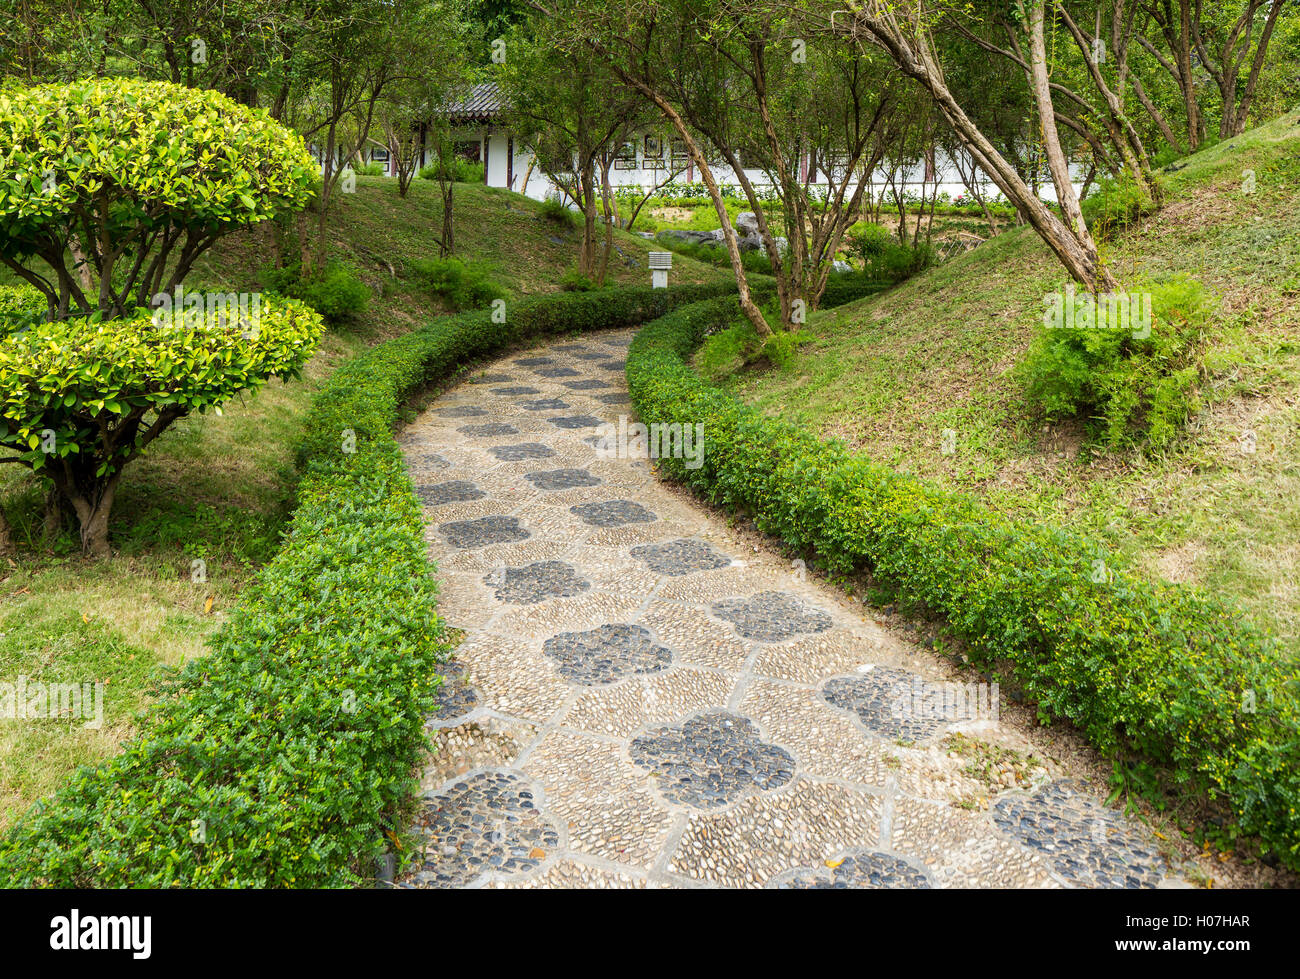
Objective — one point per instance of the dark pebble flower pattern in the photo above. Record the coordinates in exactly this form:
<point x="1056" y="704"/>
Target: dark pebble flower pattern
<point x="607" y="654"/>
<point x="1085" y="842"/>
<point x="771" y="616"/>
<point x="487" y="823"/>
<point x="712" y="760"/>
<point x="483" y="531"/>
<point x="536" y="582"/>
<point x="679" y="557"/>
<point x="884" y="700"/>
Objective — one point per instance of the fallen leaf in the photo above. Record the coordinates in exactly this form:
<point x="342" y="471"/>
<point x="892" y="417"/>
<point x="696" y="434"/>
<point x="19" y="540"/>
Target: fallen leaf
<point x="207" y="606"/>
<point x="536" y="853"/>
<point x="833" y="863"/>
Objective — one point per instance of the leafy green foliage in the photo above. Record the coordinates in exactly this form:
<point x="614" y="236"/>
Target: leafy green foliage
<point x="461" y="170"/>
<point x="20" y="306"/>
<point x="371" y="169"/>
<point x="1132" y="388"/>
<point x="884" y="257"/>
<point x="80" y="400"/>
<point x="463" y="285"/>
<point x="555" y="210"/>
<point x="1162" y="672"/>
<point x="1116" y="204"/>
<point x="158" y="171"/>
<point x="335" y="291"/>
<point x="574" y="280"/>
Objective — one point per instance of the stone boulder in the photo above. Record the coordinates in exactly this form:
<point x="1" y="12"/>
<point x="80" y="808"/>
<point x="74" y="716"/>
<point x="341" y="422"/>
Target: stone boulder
<point x="747" y="223"/>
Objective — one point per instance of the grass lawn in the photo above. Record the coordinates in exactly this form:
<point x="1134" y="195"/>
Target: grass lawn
<point x="218" y="489"/>
<point x="890" y="374"/>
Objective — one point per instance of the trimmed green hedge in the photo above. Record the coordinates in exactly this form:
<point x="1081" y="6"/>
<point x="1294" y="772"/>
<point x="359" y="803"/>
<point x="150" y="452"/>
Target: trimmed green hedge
<point x="1148" y="671"/>
<point x="278" y="759"/>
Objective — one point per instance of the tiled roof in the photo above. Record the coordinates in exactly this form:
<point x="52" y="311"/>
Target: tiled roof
<point x="482" y="104"/>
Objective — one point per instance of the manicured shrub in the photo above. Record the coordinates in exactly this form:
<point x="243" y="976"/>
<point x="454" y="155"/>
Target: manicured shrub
<point x="1151" y="673"/>
<point x="160" y="171"/>
<point x="1133" y="385"/>
<point x="462" y="285"/>
<point x="79" y="400"/>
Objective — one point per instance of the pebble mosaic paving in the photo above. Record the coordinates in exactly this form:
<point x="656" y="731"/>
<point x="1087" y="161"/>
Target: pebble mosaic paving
<point x="643" y="698"/>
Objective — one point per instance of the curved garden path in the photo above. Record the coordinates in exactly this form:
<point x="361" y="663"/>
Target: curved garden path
<point x="645" y="697"/>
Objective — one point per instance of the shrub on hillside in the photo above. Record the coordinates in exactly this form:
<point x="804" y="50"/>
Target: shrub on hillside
<point x="553" y="209"/>
<point x="460" y="170"/>
<point x="371" y="169"/>
<point x="574" y="280"/>
<point x="1132" y="385"/>
<point x="462" y="285"/>
<point x="1115" y="204"/>
<point x="335" y="291"/>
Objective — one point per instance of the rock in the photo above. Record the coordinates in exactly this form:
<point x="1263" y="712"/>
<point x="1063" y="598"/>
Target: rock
<point x="839" y="266"/>
<point x="682" y="234"/>
<point x="747" y="223"/>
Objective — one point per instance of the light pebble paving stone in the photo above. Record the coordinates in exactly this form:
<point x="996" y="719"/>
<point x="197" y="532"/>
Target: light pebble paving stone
<point x="581" y="612"/>
<point x="477" y="741"/>
<point x="691" y="742"/>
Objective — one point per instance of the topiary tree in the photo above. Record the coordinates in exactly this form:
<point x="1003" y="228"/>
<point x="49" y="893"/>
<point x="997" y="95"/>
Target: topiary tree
<point x="111" y="189"/>
<point x="81" y="399"/>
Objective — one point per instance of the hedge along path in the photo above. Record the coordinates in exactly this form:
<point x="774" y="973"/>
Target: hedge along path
<point x="644" y="697"/>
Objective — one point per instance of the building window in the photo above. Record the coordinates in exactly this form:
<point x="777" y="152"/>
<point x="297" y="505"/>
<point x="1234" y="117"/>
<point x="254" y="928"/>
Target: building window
<point x="625" y="158"/>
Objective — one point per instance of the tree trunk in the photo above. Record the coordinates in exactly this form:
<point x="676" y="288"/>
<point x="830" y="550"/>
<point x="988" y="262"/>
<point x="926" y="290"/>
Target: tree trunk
<point x="917" y="63"/>
<point x="7" y="548"/>
<point x="607" y="206"/>
<point x="747" y="304"/>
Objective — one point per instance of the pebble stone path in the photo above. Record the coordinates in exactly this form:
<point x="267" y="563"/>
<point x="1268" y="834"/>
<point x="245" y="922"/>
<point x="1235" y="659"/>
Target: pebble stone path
<point x="644" y="699"/>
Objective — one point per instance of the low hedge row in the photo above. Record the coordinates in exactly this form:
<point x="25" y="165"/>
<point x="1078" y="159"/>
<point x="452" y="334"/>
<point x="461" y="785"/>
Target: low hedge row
<point x="1150" y="672"/>
<point x="277" y="759"/>
<point x="272" y="760"/>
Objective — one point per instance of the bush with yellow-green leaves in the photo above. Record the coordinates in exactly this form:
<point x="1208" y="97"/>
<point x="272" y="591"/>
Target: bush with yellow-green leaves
<point x="111" y="188"/>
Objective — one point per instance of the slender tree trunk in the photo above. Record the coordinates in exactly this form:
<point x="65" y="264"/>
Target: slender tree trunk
<point x="607" y="206"/>
<point x="747" y="304"/>
<point x="917" y="62"/>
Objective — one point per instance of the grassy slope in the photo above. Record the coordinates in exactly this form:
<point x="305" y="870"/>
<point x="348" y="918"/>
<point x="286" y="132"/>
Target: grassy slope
<point x="891" y="373"/>
<point x="219" y="488"/>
